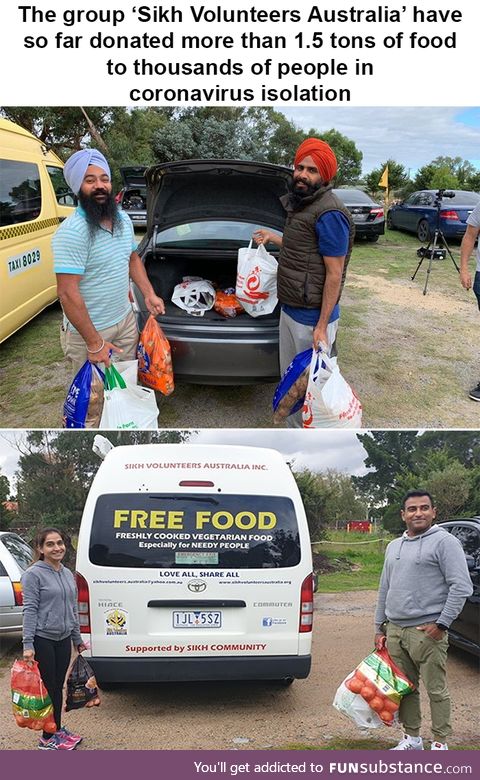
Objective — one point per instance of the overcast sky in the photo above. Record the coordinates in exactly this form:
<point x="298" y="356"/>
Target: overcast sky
<point x="315" y="450"/>
<point x="411" y="136"/>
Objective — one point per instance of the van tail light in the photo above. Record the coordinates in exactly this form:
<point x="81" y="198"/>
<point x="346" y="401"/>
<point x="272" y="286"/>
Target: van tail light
<point x="17" y="593"/>
<point x="452" y="215"/>
<point x="83" y="604"/>
<point x="306" y="605"/>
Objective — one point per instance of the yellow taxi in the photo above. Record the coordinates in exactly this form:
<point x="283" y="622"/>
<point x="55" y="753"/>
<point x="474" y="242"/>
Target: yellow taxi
<point x="34" y="199"/>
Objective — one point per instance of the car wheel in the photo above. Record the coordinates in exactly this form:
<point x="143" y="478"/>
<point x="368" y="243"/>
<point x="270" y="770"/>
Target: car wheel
<point x="372" y="239"/>
<point x="423" y="230"/>
<point x="390" y="224"/>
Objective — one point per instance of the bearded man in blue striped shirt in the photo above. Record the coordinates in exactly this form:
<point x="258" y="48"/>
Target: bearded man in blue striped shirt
<point x="94" y="259"/>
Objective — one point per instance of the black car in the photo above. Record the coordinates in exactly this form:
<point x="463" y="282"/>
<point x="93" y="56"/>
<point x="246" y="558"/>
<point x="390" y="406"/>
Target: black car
<point x="465" y="630"/>
<point x="200" y="213"/>
<point x="368" y="216"/>
<point x="132" y="198"/>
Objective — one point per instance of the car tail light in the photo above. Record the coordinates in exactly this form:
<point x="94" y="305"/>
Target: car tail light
<point x="118" y="197"/>
<point x="17" y="593"/>
<point x="449" y="215"/>
<point x="376" y="213"/>
<point x="306" y="605"/>
<point x="83" y="604"/>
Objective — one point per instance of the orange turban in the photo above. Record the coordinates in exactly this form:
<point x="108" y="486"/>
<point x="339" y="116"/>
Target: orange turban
<point x="321" y="153"/>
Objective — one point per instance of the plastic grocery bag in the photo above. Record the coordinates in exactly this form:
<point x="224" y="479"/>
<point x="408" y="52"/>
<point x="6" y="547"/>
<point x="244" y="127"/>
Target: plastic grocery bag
<point x="290" y="392"/>
<point x="127" y="406"/>
<point x="84" y="401"/>
<point x="32" y="706"/>
<point x="227" y="303"/>
<point x="154" y="359"/>
<point x="82" y="689"/>
<point x="378" y="683"/>
<point x="330" y="402"/>
<point x="256" y="287"/>
<point x="194" y="295"/>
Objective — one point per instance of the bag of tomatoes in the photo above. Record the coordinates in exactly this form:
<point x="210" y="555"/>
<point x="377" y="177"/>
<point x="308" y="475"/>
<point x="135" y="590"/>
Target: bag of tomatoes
<point x="371" y="694"/>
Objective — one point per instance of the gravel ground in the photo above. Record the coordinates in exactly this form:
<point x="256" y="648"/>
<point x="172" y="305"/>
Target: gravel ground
<point x="255" y="716"/>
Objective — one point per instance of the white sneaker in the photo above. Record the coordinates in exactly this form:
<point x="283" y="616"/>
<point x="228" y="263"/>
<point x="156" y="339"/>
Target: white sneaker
<point x="439" y="746"/>
<point x="409" y="743"/>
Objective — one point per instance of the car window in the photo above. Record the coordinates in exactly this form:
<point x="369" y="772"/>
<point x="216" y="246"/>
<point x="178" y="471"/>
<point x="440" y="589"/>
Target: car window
<point x="463" y="198"/>
<point x="412" y="200"/>
<point x="187" y="530"/>
<point x="18" y="549"/>
<point x="63" y="193"/>
<point x="214" y="234"/>
<point x="20" y="192"/>
<point x="353" y="196"/>
<point x="424" y="199"/>
<point x="469" y="538"/>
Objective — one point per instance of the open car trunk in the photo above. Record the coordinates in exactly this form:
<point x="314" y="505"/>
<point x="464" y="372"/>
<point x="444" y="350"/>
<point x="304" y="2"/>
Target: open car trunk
<point x="166" y="269"/>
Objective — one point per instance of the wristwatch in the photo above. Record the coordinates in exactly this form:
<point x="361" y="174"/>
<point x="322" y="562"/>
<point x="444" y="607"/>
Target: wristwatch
<point x="442" y="627"/>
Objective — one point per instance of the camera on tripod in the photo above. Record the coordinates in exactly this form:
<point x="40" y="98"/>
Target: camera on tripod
<point x="437" y="247"/>
<point x="440" y="194"/>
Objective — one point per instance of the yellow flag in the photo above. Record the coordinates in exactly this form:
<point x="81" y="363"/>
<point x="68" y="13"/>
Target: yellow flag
<point x="384" y="180"/>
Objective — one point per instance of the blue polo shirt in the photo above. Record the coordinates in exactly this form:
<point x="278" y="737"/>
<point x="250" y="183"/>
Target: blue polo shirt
<point x="333" y="234"/>
<point x="102" y="260"/>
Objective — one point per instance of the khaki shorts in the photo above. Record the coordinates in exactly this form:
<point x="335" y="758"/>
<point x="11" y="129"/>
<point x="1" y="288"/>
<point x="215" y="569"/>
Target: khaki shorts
<point x="123" y="335"/>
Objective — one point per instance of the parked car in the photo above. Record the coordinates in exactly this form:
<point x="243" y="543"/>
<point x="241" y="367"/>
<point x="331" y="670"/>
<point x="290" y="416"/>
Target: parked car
<point x="465" y="630"/>
<point x="15" y="556"/>
<point x="34" y="199"/>
<point x="369" y="217"/>
<point x="418" y="213"/>
<point x="200" y="213"/>
<point x="132" y="198"/>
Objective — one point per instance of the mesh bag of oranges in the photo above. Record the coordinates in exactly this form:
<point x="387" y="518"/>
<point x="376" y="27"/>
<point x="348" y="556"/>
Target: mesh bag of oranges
<point x="31" y="704"/>
<point x="155" y="368"/>
<point x="371" y="694"/>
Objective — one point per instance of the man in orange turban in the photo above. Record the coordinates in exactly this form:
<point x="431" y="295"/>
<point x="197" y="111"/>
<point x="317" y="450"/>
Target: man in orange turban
<point x="315" y="250"/>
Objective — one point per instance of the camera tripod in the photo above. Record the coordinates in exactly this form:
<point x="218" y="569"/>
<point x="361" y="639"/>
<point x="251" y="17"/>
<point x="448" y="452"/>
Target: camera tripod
<point x="437" y="247"/>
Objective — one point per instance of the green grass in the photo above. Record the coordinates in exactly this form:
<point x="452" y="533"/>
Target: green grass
<point x="358" y="557"/>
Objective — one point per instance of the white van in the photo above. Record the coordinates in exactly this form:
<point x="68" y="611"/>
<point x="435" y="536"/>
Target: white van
<point x="194" y="563"/>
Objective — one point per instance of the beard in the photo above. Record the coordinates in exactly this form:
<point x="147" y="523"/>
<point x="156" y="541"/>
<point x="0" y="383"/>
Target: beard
<point x="298" y="195"/>
<point x="99" y="211"/>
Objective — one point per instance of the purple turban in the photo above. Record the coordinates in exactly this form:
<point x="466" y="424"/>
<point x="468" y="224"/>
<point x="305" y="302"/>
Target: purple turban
<point x="76" y="166"/>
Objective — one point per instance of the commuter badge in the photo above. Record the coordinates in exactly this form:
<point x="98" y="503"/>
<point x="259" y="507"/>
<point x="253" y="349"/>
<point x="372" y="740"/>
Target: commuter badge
<point x="116" y="622"/>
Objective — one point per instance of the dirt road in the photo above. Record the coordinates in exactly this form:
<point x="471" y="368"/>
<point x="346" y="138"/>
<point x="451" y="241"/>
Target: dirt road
<point x="255" y="716"/>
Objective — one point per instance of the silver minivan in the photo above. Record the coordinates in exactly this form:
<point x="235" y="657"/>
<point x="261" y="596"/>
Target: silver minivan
<point x="199" y="214"/>
<point x="15" y="556"/>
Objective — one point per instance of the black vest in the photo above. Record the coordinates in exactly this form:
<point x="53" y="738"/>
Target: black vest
<point x="301" y="269"/>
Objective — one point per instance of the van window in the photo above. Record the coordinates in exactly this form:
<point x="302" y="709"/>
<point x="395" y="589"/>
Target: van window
<point x="63" y="193"/>
<point x="190" y="530"/>
<point x="20" y="193"/>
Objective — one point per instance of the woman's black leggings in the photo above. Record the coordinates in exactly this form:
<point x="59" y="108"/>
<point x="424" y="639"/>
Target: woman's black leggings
<point x="53" y="661"/>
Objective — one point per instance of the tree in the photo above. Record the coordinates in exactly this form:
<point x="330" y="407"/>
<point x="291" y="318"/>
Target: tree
<point x="313" y="493"/>
<point x="397" y="177"/>
<point x="444" y="173"/>
<point x="343" y="503"/>
<point x="56" y="470"/>
<point x="387" y="453"/>
<point x="5" y="514"/>
<point x="65" y="129"/>
<point x="349" y="158"/>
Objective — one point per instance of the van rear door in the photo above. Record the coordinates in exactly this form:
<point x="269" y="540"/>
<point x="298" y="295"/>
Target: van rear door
<point x="194" y="574"/>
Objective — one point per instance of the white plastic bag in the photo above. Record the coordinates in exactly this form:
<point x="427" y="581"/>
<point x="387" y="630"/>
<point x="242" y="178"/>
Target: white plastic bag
<point x="330" y="402"/>
<point x="356" y="708"/>
<point x="256" y="280"/>
<point x="127" y="406"/>
<point x="194" y="295"/>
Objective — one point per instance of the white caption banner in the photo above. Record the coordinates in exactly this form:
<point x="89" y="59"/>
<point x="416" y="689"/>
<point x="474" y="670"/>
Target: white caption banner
<point x="340" y="52"/>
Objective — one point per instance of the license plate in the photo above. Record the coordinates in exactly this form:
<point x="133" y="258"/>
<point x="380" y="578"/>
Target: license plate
<point x="193" y="619"/>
